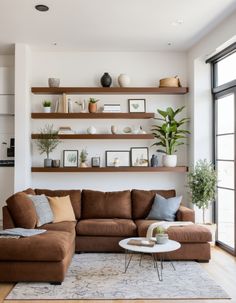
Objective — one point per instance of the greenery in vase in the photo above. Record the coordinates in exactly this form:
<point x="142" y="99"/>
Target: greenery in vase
<point x="202" y="183"/>
<point x="93" y="100"/>
<point x="47" y="103"/>
<point x="48" y="140"/>
<point x="83" y="156"/>
<point x="160" y="230"/>
<point x="169" y="134"/>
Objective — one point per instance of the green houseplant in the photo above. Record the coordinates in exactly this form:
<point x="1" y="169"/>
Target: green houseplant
<point x="83" y="158"/>
<point x="47" y="142"/>
<point x="161" y="235"/>
<point x="92" y="105"/>
<point x="47" y="106"/>
<point x="202" y="181"/>
<point x="169" y="134"/>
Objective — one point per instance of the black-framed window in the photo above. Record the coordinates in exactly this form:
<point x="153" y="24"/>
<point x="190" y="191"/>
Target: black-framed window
<point x="224" y="99"/>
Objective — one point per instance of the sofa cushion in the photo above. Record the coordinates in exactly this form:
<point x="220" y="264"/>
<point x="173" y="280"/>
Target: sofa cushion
<point x="106" y="227"/>
<point x="142" y="201"/>
<point x="49" y="246"/>
<point x="62" y="209"/>
<point x="106" y="205"/>
<point x="75" y="197"/>
<point x="184" y="234"/>
<point x="22" y="210"/>
<point x="61" y="226"/>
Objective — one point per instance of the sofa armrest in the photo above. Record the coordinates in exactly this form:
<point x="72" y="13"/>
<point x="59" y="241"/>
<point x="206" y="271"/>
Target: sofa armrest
<point x="7" y="219"/>
<point x="185" y="214"/>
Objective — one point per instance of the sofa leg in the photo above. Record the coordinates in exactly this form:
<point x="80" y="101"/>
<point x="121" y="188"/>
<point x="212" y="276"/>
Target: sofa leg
<point x="202" y="261"/>
<point x="55" y="283"/>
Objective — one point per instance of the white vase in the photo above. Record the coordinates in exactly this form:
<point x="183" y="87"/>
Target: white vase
<point x="47" y="109"/>
<point x="123" y="80"/>
<point x="91" y="130"/>
<point x="169" y="160"/>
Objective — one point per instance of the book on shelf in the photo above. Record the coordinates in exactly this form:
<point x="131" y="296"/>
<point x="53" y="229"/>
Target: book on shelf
<point x="64" y="104"/>
<point x="57" y="106"/>
<point x="65" y="130"/>
<point x="111" y="111"/>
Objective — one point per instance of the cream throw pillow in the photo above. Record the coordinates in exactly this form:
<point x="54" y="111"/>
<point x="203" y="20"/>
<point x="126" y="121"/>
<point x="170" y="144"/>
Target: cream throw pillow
<point x="62" y="209"/>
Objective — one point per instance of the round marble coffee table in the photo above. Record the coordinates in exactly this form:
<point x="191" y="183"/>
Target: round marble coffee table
<point x="161" y="249"/>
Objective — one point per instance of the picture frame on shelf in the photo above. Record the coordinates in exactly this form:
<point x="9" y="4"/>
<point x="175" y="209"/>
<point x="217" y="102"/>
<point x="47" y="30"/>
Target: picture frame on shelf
<point x="139" y="156"/>
<point x="117" y="158"/>
<point x="70" y="158"/>
<point x="137" y="105"/>
<point x="95" y="161"/>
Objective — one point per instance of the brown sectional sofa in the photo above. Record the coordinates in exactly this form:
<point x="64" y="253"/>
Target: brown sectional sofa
<point x="103" y="219"/>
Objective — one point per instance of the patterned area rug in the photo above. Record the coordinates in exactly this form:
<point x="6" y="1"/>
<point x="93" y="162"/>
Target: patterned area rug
<point x="101" y="276"/>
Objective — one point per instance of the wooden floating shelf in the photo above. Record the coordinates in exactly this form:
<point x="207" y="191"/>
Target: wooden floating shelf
<point x="92" y="115"/>
<point x="178" y="169"/>
<point x="110" y="90"/>
<point x="100" y="136"/>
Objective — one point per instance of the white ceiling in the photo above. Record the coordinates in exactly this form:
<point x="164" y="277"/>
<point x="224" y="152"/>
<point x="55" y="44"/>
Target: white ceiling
<point x="109" y="25"/>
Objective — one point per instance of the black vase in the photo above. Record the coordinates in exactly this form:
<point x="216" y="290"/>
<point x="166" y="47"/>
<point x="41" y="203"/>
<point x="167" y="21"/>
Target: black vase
<point x="106" y="80"/>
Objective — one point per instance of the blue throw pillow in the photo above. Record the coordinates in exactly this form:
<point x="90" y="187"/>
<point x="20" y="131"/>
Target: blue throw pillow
<point x="164" y="209"/>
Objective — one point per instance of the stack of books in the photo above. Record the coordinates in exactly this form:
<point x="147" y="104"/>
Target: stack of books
<point x="65" y="130"/>
<point x="111" y="108"/>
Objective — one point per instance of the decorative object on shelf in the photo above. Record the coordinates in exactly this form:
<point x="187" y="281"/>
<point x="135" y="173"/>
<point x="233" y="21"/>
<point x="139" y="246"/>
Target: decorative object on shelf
<point x="154" y="161"/>
<point x="106" y="80"/>
<point x="70" y="158"/>
<point x="139" y="156"/>
<point x="91" y="130"/>
<point x="47" y="142"/>
<point x="169" y="135"/>
<point x="127" y="130"/>
<point x="65" y="130"/>
<point x="83" y="158"/>
<point x="111" y="108"/>
<point x="141" y="131"/>
<point x="55" y="163"/>
<point x="202" y="181"/>
<point x="161" y="235"/>
<point x="82" y="106"/>
<point x="70" y="106"/>
<point x="53" y="82"/>
<point x="56" y="110"/>
<point x="123" y="80"/>
<point x="92" y="105"/>
<point x="137" y="105"/>
<point x="170" y="82"/>
<point x="47" y="106"/>
<point x="114" y="129"/>
<point x="117" y="158"/>
<point x="95" y="161"/>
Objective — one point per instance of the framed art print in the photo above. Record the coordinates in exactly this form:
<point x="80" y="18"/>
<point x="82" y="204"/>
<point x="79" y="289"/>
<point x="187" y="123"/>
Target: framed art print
<point x="95" y="161"/>
<point x="137" y="105"/>
<point x="139" y="156"/>
<point x="117" y="158"/>
<point x="70" y="158"/>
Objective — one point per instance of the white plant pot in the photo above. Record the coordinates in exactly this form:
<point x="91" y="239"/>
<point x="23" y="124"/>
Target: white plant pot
<point x="47" y="109"/>
<point x="169" y="160"/>
<point x="124" y="80"/>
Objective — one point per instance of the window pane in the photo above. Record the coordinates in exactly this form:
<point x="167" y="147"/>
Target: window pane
<point x="225" y="114"/>
<point x="226" y="216"/>
<point x="225" y="174"/>
<point x="225" y="147"/>
<point x="226" y="69"/>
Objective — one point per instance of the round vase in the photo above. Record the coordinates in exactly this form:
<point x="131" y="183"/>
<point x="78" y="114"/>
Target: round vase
<point x="55" y="163"/>
<point x="106" y="80"/>
<point x="53" y="82"/>
<point x="170" y="160"/>
<point x="91" y="130"/>
<point x="83" y="164"/>
<point x="47" y="109"/>
<point x="47" y="162"/>
<point x="123" y="80"/>
<point x="162" y="238"/>
<point x="92" y="107"/>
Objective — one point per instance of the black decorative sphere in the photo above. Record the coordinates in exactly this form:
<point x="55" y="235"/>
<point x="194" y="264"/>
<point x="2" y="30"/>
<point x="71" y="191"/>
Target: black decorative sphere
<point x="106" y="80"/>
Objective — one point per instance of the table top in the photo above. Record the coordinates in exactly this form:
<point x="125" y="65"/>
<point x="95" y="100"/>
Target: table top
<point x="157" y="248"/>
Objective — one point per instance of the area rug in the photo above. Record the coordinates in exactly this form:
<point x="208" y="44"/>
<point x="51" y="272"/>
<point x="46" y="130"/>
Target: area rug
<point x="101" y="276"/>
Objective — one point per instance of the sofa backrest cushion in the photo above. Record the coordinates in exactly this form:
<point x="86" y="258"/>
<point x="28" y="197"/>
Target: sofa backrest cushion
<point x="75" y="197"/>
<point x="106" y="205"/>
<point x="22" y="210"/>
<point x="142" y="201"/>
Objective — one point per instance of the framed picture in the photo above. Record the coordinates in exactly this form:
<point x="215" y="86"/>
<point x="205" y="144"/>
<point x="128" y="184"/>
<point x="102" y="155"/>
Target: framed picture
<point x="117" y="158"/>
<point x="139" y="156"/>
<point x="95" y="161"/>
<point x="70" y="158"/>
<point x="137" y="105"/>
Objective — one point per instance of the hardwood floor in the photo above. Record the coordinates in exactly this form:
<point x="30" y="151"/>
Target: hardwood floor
<point x="222" y="268"/>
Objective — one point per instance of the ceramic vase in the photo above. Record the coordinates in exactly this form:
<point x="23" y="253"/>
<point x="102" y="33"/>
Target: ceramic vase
<point x="113" y="129"/>
<point x="91" y="130"/>
<point x="154" y="161"/>
<point x="53" y="82"/>
<point x="162" y="238"/>
<point x="106" y="80"/>
<point x="46" y="109"/>
<point x="169" y="160"/>
<point x="92" y="107"/>
<point x="47" y="162"/>
<point x="83" y="164"/>
<point x="123" y="80"/>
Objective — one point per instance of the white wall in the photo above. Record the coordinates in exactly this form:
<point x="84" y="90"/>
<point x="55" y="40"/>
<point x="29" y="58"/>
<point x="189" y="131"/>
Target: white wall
<point x="86" y="69"/>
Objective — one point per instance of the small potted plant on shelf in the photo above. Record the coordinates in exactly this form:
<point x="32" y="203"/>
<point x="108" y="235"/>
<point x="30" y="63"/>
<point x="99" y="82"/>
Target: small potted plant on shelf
<point x="47" y="106"/>
<point x="161" y="235"/>
<point x="47" y="142"/>
<point x="169" y="134"/>
<point x="92" y="105"/>
<point x="83" y="158"/>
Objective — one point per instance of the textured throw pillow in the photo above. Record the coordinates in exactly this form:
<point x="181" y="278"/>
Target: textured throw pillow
<point x="62" y="209"/>
<point x="164" y="209"/>
<point x="43" y="209"/>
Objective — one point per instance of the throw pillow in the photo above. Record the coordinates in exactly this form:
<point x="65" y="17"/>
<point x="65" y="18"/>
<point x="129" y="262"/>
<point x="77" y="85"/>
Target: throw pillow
<point x="62" y="209"/>
<point x="164" y="209"/>
<point x="43" y="209"/>
<point x="22" y="210"/>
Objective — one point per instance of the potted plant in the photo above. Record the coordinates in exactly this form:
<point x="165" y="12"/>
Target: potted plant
<point x="161" y="235"/>
<point x="92" y="105"/>
<point x="83" y="158"/>
<point x="47" y="142"/>
<point x="47" y="106"/>
<point x="169" y="134"/>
